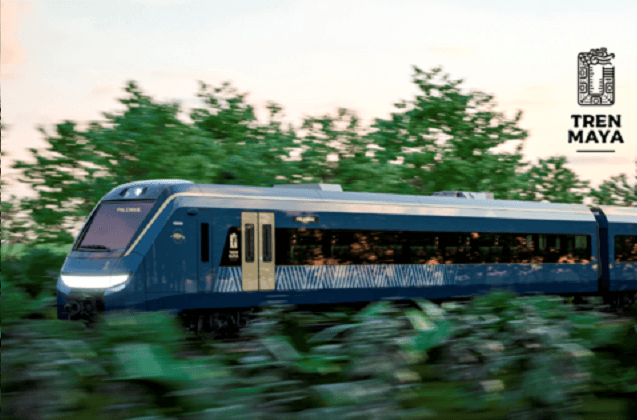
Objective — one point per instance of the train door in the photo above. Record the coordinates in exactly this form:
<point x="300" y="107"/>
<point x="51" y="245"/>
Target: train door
<point x="257" y="263"/>
<point x="204" y="257"/>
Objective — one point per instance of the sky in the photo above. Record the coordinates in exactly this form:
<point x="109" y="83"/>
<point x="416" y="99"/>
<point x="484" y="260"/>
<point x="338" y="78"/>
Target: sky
<point x="70" y="60"/>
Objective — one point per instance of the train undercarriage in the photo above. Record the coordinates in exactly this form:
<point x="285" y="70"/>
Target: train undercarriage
<point x="227" y="323"/>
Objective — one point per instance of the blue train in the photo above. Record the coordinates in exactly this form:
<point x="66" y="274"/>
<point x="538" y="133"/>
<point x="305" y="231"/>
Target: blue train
<point x="212" y="252"/>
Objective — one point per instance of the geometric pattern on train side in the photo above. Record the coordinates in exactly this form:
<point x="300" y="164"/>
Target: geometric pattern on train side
<point x="316" y="277"/>
<point x="228" y="279"/>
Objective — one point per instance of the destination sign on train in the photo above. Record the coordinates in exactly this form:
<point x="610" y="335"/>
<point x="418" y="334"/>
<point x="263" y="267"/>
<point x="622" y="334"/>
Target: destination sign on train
<point x="306" y="219"/>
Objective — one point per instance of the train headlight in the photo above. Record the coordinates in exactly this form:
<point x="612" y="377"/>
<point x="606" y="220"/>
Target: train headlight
<point x="94" y="282"/>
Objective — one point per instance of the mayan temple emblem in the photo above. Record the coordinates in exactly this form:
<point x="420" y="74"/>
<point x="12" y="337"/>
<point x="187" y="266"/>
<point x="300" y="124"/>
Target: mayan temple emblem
<point x="596" y="78"/>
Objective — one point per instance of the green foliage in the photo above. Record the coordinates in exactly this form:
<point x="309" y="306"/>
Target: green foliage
<point x="519" y="351"/>
<point x="614" y="369"/>
<point x="28" y="281"/>
<point x="617" y="191"/>
<point x="15" y="223"/>
<point x="550" y="181"/>
<point x="127" y="365"/>
<point x="33" y="269"/>
<point x="442" y="139"/>
<point x="357" y="369"/>
<point x="17" y="304"/>
<point x="146" y="141"/>
<point x="530" y="355"/>
<point x="252" y="152"/>
<point x="38" y="270"/>
<point x="447" y="138"/>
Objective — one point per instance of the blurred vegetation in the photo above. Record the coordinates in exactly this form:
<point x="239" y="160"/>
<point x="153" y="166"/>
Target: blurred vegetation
<point x="496" y="357"/>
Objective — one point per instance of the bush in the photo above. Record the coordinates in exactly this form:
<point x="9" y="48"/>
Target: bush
<point x="519" y="351"/>
<point x="28" y="283"/>
<point x="357" y="369"/>
<point x="35" y="270"/>
<point x="531" y="355"/>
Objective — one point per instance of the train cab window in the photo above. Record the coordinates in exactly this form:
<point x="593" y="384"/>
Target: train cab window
<point x="625" y="248"/>
<point x="113" y="225"/>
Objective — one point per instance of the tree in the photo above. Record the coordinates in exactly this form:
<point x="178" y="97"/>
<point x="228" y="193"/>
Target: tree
<point x="254" y="153"/>
<point x="446" y="140"/>
<point x="335" y="151"/>
<point x="146" y="141"/>
<point x="550" y="181"/>
<point x="616" y="191"/>
<point x="15" y="222"/>
<point x="443" y="139"/>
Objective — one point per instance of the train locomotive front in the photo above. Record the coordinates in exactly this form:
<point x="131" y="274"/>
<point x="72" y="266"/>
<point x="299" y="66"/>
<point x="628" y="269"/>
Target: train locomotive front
<point x="102" y="271"/>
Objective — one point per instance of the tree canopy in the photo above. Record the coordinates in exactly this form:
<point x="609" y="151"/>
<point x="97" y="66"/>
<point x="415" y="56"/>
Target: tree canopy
<point x="442" y="139"/>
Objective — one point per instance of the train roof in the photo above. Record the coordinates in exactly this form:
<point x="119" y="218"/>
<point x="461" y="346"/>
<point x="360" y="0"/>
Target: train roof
<point x="327" y="197"/>
<point x="615" y="214"/>
<point x="316" y="194"/>
<point x="301" y="199"/>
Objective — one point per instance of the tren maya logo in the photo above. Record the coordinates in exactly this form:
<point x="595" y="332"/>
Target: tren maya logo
<point x="596" y="84"/>
<point x="596" y="87"/>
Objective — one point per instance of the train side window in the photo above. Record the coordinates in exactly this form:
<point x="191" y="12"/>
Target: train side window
<point x="543" y="243"/>
<point x="205" y="243"/>
<point x="249" y="238"/>
<point x="387" y="247"/>
<point x="304" y="247"/>
<point x="424" y="248"/>
<point x="626" y="248"/>
<point x="496" y="250"/>
<point x="552" y="252"/>
<point x="480" y="244"/>
<point x="267" y="243"/>
<point x="360" y="249"/>
<point x="582" y="249"/>
<point x="452" y="241"/>
<point x="340" y="252"/>
<point x="341" y="247"/>
<point x="457" y="247"/>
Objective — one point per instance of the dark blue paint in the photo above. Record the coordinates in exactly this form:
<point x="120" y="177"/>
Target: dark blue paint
<point x="311" y="297"/>
<point x="171" y="261"/>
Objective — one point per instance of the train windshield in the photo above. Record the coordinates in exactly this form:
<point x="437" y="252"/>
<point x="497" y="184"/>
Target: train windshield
<point x="113" y="226"/>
